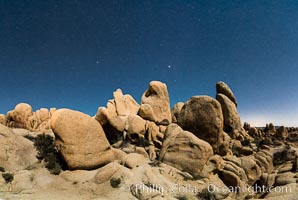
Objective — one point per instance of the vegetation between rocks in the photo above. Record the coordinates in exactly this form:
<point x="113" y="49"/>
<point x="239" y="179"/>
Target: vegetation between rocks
<point x="47" y="151"/>
<point x="8" y="177"/>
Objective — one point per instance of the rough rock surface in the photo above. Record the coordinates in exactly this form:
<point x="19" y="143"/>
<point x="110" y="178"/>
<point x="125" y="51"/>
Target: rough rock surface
<point x="3" y="119"/>
<point x="16" y="152"/>
<point x="232" y="122"/>
<point x="158" y="98"/>
<point x="19" y="117"/>
<point x="282" y="133"/>
<point x="184" y="150"/>
<point x="176" y="111"/>
<point x="202" y="116"/>
<point x="125" y="104"/>
<point x="81" y="140"/>
<point x="223" y="88"/>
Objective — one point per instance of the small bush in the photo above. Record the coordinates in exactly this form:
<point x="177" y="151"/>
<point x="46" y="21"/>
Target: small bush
<point x="8" y="177"/>
<point x="206" y="195"/>
<point x="142" y="142"/>
<point x="2" y="169"/>
<point x="30" y="137"/>
<point x="115" y="182"/>
<point x="182" y="198"/>
<point x="47" y="151"/>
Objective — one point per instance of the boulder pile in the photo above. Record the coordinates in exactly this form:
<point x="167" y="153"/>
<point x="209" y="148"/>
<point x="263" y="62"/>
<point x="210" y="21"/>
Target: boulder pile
<point x="147" y="150"/>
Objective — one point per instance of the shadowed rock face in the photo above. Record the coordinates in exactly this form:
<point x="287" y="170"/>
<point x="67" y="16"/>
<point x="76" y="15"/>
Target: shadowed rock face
<point x="158" y="98"/>
<point x="81" y="140"/>
<point x="223" y="88"/>
<point x="202" y="115"/>
<point x="16" y="152"/>
<point x="184" y="150"/>
<point x="231" y="117"/>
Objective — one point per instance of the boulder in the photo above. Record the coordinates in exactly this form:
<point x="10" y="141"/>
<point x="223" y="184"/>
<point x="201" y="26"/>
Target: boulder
<point x="223" y="88"/>
<point x="133" y="160"/>
<point x="176" y="111"/>
<point x="202" y="116"/>
<point x="125" y="104"/>
<point x="253" y="132"/>
<point x="158" y="98"/>
<point x="111" y="170"/>
<point x="135" y="127"/>
<point x="104" y="114"/>
<point x="81" y="140"/>
<point x="285" y="178"/>
<point x="146" y="112"/>
<point x="282" y="133"/>
<point x="16" y="152"/>
<point x="184" y="150"/>
<point x="19" y="117"/>
<point x="3" y="119"/>
<point x="252" y="170"/>
<point x="232" y="122"/>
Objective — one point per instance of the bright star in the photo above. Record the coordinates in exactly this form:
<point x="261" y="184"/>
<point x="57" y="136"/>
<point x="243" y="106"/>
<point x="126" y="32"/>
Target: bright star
<point x="169" y="66"/>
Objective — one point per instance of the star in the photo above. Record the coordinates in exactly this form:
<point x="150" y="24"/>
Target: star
<point x="97" y="62"/>
<point x="169" y="66"/>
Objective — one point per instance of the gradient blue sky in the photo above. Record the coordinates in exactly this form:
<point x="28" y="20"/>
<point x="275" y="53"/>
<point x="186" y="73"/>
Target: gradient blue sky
<point x="75" y="53"/>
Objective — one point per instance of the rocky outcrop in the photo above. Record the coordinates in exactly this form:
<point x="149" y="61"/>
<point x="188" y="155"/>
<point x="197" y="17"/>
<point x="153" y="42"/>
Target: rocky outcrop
<point x="125" y="104"/>
<point x="282" y="133"/>
<point x="16" y="152"/>
<point x="232" y="122"/>
<point x="23" y="117"/>
<point x="202" y="116"/>
<point x="158" y="98"/>
<point x="223" y="88"/>
<point x="81" y="140"/>
<point x="3" y="119"/>
<point x="176" y="111"/>
<point x="183" y="150"/>
<point x="19" y="117"/>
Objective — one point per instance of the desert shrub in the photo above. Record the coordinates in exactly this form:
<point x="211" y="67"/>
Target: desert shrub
<point x="182" y="198"/>
<point x="115" y="182"/>
<point x="245" y="142"/>
<point x="2" y="169"/>
<point x="206" y="195"/>
<point x="8" y="177"/>
<point x="47" y="151"/>
<point x="30" y="137"/>
<point x="142" y="142"/>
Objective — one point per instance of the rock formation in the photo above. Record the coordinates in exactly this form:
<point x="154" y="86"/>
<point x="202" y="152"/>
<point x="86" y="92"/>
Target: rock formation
<point x="157" y="97"/>
<point x="147" y="151"/>
<point x="81" y="140"/>
<point x="232" y="122"/>
<point x="183" y="150"/>
<point x="23" y="117"/>
<point x="202" y="116"/>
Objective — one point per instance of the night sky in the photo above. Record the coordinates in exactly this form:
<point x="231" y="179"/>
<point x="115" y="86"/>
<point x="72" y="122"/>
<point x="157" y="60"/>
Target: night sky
<point x="75" y="53"/>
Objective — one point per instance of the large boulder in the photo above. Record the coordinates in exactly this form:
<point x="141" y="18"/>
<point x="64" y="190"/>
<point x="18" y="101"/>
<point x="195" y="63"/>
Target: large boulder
<point x="184" y="150"/>
<point x="158" y="98"/>
<point x="19" y="117"/>
<point x="81" y="140"/>
<point x="176" y="111"/>
<point x="125" y="104"/>
<point x="223" y="88"/>
<point x="16" y="152"/>
<point x="104" y="114"/>
<point x="202" y="115"/>
<point x="232" y="122"/>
